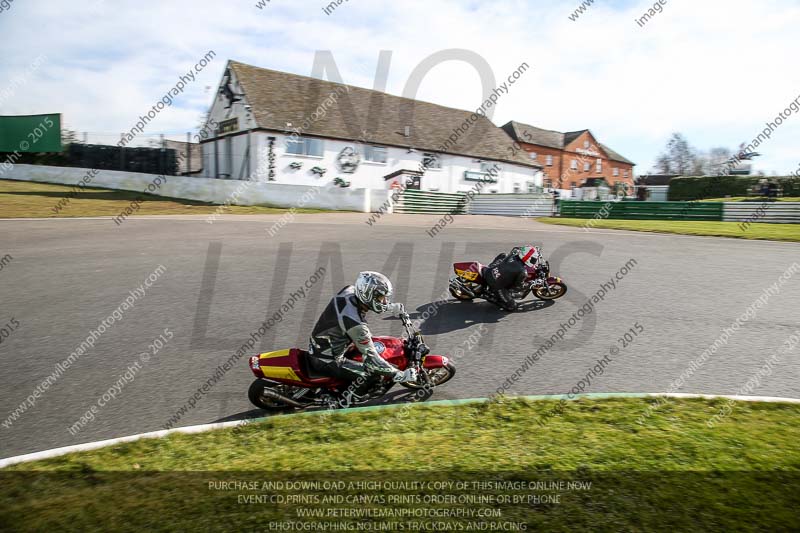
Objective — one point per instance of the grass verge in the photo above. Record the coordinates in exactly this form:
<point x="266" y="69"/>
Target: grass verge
<point x="672" y="471"/>
<point x="752" y="199"/>
<point x="26" y="199"/>
<point x="759" y="231"/>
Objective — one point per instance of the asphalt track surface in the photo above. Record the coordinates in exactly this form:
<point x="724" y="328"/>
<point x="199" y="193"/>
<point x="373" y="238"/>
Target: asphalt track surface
<point x="222" y="280"/>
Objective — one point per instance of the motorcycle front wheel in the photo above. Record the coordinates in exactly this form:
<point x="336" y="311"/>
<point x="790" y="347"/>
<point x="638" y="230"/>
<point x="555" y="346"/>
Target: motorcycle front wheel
<point x="553" y="292"/>
<point x="436" y="377"/>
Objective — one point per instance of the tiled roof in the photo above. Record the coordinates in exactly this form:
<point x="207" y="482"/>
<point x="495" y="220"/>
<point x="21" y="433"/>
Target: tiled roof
<point x="533" y="135"/>
<point x="280" y="98"/>
<point x="553" y="139"/>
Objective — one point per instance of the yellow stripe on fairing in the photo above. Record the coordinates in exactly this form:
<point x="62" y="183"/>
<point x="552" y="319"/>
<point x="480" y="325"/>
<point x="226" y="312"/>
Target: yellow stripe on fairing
<point x="280" y="372"/>
<point x="272" y="355"/>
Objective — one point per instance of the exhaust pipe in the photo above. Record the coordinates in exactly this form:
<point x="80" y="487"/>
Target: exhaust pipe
<point x="457" y="285"/>
<point x="281" y="398"/>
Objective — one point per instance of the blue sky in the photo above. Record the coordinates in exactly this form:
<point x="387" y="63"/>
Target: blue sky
<point x="715" y="70"/>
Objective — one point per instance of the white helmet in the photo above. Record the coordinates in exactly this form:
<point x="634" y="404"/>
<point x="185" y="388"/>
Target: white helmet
<point x="528" y="255"/>
<point x="374" y="290"/>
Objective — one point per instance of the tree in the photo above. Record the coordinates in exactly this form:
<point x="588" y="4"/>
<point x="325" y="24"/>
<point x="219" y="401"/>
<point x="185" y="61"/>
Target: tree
<point x="680" y="154"/>
<point x="717" y="159"/>
<point x="663" y="165"/>
<point x="701" y="164"/>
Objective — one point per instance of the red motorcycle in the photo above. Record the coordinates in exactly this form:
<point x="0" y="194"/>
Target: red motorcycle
<point x="286" y="380"/>
<point x="467" y="283"/>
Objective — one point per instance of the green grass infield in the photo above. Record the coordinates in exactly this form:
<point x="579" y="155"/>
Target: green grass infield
<point x="761" y="231"/>
<point x="613" y="464"/>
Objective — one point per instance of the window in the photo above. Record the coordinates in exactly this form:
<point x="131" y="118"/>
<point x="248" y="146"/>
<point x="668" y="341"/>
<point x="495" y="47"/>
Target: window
<point x="549" y="160"/>
<point x="616" y="172"/>
<point x="586" y="144"/>
<point x="573" y="184"/>
<point x="599" y="165"/>
<point x="517" y="188"/>
<point x="431" y="161"/>
<point x="626" y="173"/>
<point x="229" y="126"/>
<point x="376" y="154"/>
<point x="304" y="146"/>
<point x="587" y="166"/>
<point x="533" y="156"/>
<point x="574" y="164"/>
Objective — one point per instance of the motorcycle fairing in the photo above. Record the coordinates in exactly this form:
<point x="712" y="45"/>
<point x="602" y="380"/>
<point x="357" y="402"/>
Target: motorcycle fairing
<point x="469" y="271"/>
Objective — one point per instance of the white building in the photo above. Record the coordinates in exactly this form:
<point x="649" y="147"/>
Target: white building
<point x="285" y="128"/>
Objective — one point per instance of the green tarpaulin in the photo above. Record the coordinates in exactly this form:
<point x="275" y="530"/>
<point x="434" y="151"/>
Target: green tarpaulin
<point x="30" y="133"/>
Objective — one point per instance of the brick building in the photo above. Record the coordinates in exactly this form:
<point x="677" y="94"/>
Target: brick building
<point x="572" y="158"/>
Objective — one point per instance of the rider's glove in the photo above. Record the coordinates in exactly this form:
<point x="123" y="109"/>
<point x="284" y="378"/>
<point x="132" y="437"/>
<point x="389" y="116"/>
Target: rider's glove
<point x="395" y="309"/>
<point x="408" y="376"/>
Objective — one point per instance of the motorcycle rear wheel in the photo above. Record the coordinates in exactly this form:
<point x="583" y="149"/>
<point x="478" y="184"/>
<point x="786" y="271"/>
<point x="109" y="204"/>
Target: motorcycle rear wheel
<point x="436" y="377"/>
<point x="557" y="290"/>
<point x="254" y="393"/>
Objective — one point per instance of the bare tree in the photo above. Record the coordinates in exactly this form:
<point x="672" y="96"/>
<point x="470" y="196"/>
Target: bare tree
<point x="663" y="165"/>
<point x="681" y="155"/>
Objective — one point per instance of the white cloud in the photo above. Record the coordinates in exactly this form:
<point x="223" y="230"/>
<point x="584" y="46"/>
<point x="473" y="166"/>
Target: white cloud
<point x="716" y="70"/>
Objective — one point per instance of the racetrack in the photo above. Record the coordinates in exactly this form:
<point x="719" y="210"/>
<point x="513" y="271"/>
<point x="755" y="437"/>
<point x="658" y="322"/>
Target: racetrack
<point x="222" y="280"/>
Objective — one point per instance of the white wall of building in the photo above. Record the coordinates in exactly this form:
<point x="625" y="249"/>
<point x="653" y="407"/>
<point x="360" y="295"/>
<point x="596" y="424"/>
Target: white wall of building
<point x="370" y="175"/>
<point x="231" y="192"/>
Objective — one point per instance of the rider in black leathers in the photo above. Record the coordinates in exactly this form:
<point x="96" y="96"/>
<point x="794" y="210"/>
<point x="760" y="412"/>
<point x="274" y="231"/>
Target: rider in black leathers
<point x="507" y="272"/>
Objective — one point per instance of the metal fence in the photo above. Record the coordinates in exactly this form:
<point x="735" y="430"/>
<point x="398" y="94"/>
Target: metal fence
<point x="769" y="212"/>
<point x="773" y="212"/>
<point x="514" y="205"/>
<point x="414" y="201"/>
<point x="644" y="210"/>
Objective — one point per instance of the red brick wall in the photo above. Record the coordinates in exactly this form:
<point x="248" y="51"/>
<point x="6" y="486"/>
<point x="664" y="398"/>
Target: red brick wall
<point x="562" y="164"/>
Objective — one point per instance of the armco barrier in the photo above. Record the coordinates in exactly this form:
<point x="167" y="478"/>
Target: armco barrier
<point x="644" y="210"/>
<point x="516" y="205"/>
<point x="211" y="190"/>
<point x="770" y="212"/>
<point x="512" y="205"/>
<point x="414" y="201"/>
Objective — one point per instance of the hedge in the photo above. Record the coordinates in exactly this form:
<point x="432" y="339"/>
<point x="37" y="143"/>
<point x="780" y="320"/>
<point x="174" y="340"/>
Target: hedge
<point x="103" y="157"/>
<point x="700" y="188"/>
